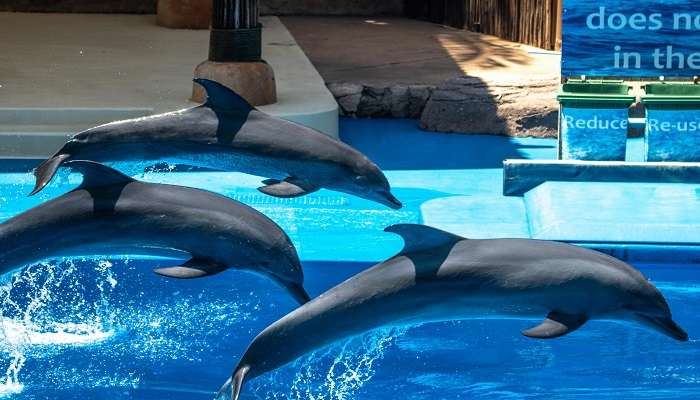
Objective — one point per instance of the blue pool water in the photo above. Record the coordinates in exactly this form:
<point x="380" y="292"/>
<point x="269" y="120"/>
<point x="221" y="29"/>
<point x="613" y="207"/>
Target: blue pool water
<point x="148" y="338"/>
<point x="98" y="328"/>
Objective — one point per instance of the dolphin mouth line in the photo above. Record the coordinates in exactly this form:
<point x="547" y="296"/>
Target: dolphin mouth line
<point x="392" y="201"/>
<point x="666" y="326"/>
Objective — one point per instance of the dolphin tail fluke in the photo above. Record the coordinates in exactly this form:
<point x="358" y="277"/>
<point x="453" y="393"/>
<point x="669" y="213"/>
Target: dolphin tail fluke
<point x="232" y="388"/>
<point x="46" y="170"/>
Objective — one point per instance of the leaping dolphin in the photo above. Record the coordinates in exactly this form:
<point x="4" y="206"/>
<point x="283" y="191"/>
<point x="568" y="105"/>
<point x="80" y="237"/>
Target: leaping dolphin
<point x="113" y="214"/>
<point x="226" y="133"/>
<point x="439" y="276"/>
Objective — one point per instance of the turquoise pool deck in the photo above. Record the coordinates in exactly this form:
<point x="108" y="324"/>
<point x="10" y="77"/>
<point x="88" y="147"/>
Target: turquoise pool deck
<point x="449" y="181"/>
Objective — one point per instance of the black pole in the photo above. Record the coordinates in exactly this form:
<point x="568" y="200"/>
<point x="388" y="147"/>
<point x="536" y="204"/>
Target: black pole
<point x="235" y="31"/>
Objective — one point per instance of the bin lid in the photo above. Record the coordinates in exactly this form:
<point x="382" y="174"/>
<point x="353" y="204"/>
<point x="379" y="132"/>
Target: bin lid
<point x="595" y="91"/>
<point x="671" y="94"/>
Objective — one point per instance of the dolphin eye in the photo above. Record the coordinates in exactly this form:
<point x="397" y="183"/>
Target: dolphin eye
<point x="361" y="181"/>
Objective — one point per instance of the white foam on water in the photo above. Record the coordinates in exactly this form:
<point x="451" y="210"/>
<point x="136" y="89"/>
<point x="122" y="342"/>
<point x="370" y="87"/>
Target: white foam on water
<point x="32" y="304"/>
<point x="15" y="333"/>
<point x="10" y="389"/>
<point x="11" y="384"/>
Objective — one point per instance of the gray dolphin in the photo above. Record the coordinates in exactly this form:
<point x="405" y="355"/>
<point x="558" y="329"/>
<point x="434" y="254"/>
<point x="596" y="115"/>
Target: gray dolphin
<point x="439" y="276"/>
<point x="226" y="133"/>
<point x="111" y="213"/>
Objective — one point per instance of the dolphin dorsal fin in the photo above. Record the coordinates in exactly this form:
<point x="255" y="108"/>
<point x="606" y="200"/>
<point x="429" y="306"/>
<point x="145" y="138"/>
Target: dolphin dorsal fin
<point x="96" y="174"/>
<point x="222" y="98"/>
<point x="421" y="237"/>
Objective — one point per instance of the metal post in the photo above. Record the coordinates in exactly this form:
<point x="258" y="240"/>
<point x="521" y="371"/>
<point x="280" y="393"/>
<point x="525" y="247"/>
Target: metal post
<point x="235" y="31"/>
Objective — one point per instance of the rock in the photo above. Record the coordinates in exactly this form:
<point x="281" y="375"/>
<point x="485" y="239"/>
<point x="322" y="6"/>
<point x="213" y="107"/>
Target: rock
<point x="394" y="101"/>
<point x="184" y="14"/>
<point x="341" y="89"/>
<point x="347" y="95"/>
<point x="375" y="102"/>
<point x="349" y="104"/>
<point x="464" y="104"/>
<point x="470" y="105"/>
<point x="398" y="101"/>
<point x="255" y="81"/>
<point x="418" y="96"/>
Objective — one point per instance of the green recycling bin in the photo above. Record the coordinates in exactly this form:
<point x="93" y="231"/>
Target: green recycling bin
<point x="672" y="131"/>
<point x="593" y="120"/>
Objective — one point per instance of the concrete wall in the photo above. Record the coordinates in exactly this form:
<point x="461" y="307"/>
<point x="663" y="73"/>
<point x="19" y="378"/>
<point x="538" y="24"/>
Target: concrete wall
<point x="278" y="7"/>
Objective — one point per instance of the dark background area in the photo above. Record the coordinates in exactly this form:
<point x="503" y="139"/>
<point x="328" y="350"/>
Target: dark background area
<point x="533" y="22"/>
<point x="279" y="7"/>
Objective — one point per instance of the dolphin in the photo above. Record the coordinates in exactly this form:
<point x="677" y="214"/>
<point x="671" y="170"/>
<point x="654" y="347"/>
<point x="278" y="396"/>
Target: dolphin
<point x="439" y="276"/>
<point x="114" y="214"/>
<point x="226" y="133"/>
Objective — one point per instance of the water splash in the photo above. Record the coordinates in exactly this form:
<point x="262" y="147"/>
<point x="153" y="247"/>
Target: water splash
<point x="348" y="367"/>
<point x="52" y="304"/>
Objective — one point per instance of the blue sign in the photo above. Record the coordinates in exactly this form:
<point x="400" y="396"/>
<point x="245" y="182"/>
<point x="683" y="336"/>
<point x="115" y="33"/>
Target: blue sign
<point x="631" y="38"/>
<point x="672" y="135"/>
<point x="593" y="134"/>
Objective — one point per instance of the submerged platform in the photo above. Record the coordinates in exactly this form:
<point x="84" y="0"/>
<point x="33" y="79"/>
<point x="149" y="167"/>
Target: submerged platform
<point x="606" y="212"/>
<point x="520" y="176"/>
<point x="608" y="202"/>
<point x="62" y="73"/>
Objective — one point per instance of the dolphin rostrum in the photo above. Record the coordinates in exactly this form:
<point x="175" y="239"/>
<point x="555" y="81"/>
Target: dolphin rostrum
<point x="439" y="276"/>
<point x="226" y="133"/>
<point x="113" y="214"/>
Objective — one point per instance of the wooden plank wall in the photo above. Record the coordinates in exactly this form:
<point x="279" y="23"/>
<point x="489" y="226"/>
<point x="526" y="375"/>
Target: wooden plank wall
<point x="533" y="22"/>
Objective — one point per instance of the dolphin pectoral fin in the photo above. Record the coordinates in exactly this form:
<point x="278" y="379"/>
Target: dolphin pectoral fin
<point x="287" y="188"/>
<point x="193" y="268"/>
<point x="555" y="325"/>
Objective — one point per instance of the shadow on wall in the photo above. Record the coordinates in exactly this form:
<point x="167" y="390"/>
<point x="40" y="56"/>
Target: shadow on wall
<point x="470" y="104"/>
<point x="467" y="104"/>
<point x="400" y="145"/>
